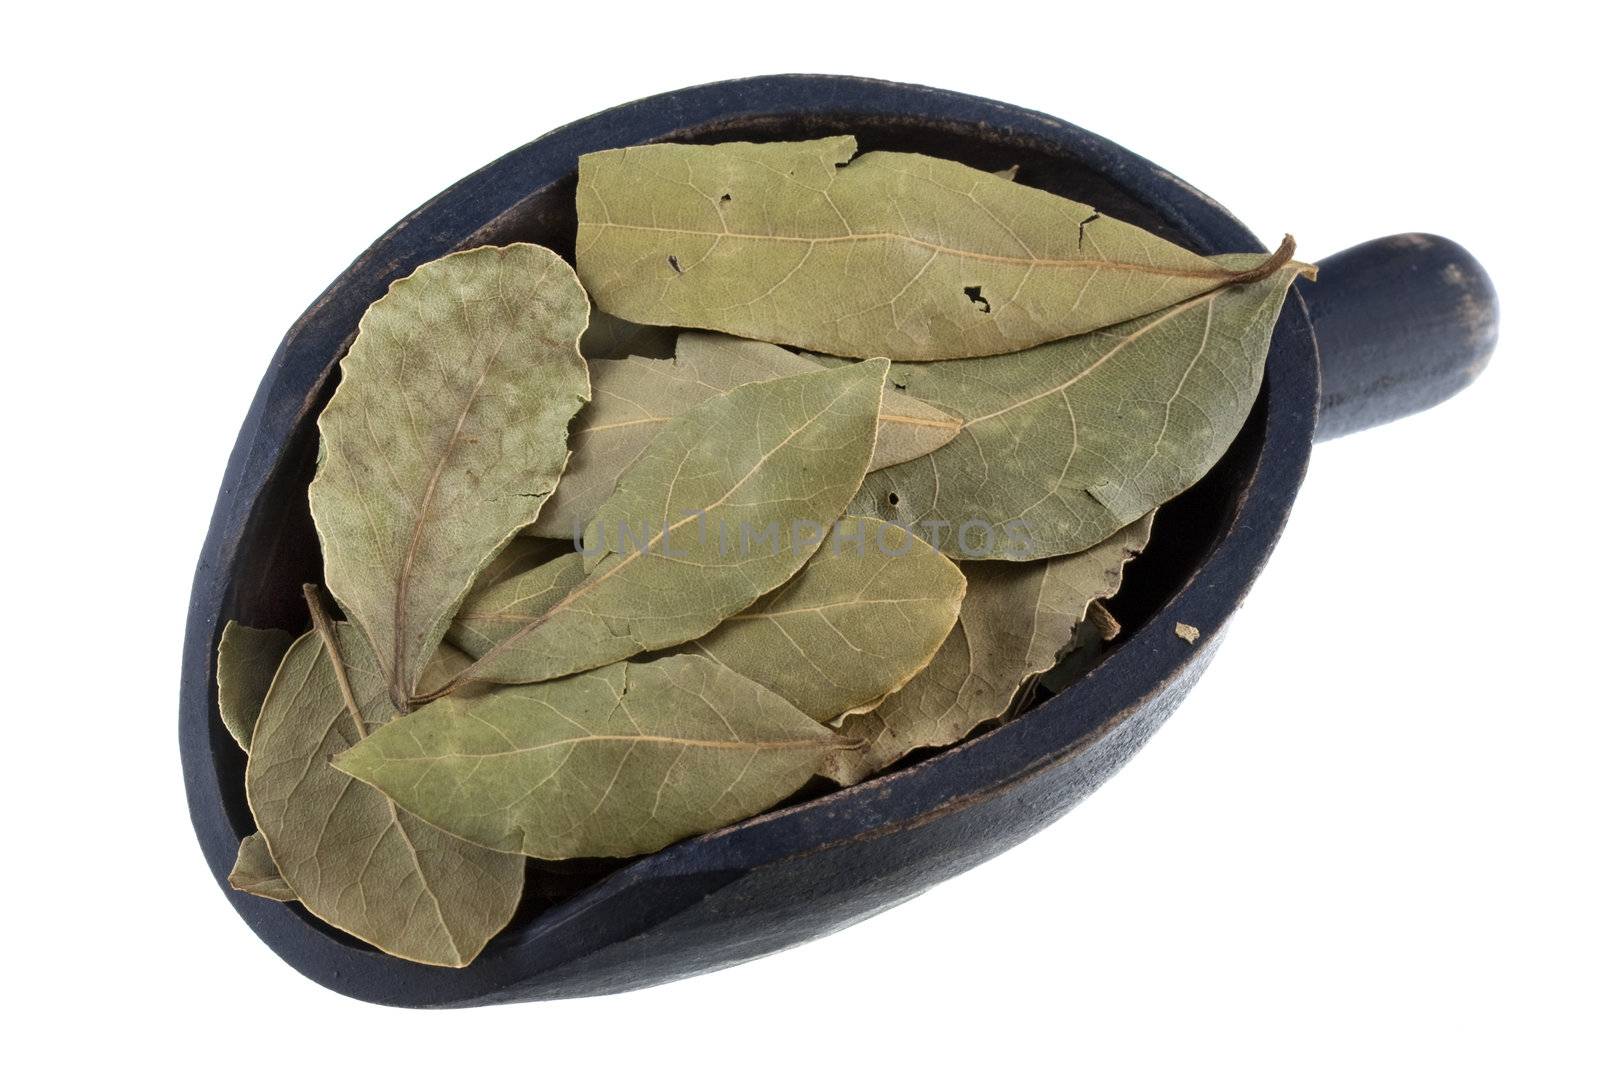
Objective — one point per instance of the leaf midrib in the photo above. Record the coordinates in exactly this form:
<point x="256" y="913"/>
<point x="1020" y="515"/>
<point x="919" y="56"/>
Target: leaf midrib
<point x="1218" y="274"/>
<point x="631" y="739"/>
<point x="908" y="420"/>
<point x="813" y="609"/>
<point x="424" y="510"/>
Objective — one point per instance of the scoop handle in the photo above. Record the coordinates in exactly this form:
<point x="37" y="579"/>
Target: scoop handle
<point x="1402" y="323"/>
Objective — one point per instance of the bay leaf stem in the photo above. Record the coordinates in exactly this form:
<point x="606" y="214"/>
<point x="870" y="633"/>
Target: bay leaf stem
<point x="324" y="627"/>
<point x="1276" y="262"/>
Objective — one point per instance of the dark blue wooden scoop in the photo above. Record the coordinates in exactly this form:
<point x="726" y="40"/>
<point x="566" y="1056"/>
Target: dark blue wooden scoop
<point x="1392" y="327"/>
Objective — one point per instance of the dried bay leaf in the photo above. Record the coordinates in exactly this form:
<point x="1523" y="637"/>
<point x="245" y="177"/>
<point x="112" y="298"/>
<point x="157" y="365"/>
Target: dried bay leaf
<point x="634" y="398"/>
<point x="859" y="621"/>
<point x="1014" y="621"/>
<point x="618" y="761"/>
<point x="497" y="611"/>
<point x="349" y="856"/>
<point x="515" y="588"/>
<point x="445" y="436"/>
<point x="520" y="556"/>
<point x="247" y="658"/>
<point x="255" y="873"/>
<point x="1065" y="444"/>
<point x="886" y="254"/>
<point x="907" y="427"/>
<point x="609" y="337"/>
<point x="726" y="503"/>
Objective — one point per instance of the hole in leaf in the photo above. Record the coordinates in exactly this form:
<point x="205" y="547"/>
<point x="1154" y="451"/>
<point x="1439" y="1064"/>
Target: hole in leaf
<point x="894" y="499"/>
<point x="672" y="261"/>
<point x="725" y="198"/>
<point x="975" y="294"/>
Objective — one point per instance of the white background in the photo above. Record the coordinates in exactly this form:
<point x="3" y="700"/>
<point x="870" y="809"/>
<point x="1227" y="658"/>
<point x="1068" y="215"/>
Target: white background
<point x="1369" y="834"/>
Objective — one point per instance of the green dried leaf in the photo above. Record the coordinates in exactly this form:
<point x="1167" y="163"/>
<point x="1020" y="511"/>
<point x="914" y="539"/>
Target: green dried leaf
<point x="907" y="427"/>
<point x="634" y="398"/>
<point x="726" y="503"/>
<point x="887" y="254"/>
<point x="512" y="590"/>
<point x="254" y="871"/>
<point x="446" y="434"/>
<point x="499" y="610"/>
<point x="1015" y="619"/>
<point x="858" y="622"/>
<point x="520" y="556"/>
<point x="247" y="658"/>
<point x="1065" y="444"/>
<point x="609" y="337"/>
<point x="349" y="856"/>
<point x="615" y="762"/>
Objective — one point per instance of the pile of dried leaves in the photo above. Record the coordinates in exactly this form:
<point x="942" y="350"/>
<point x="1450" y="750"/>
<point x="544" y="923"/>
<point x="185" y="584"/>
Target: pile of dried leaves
<point x="846" y="456"/>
